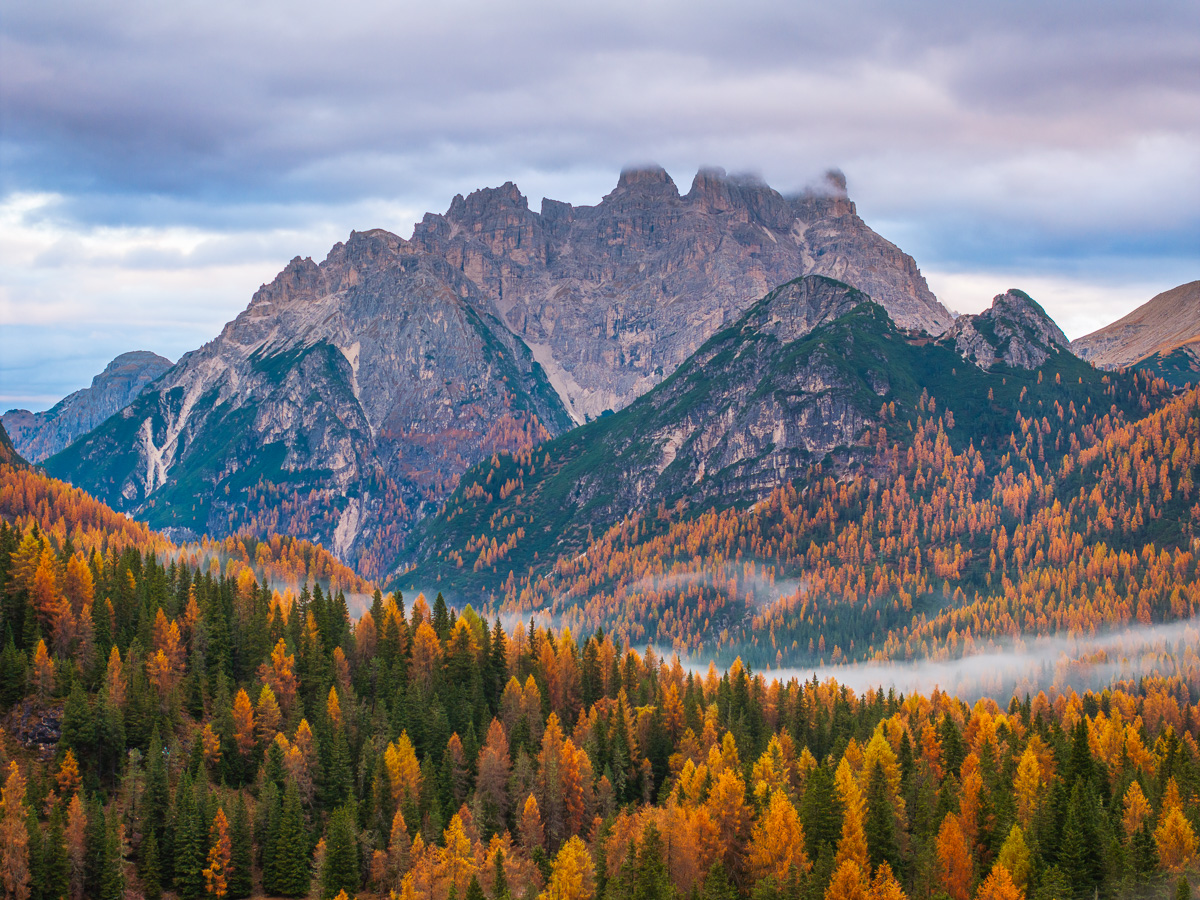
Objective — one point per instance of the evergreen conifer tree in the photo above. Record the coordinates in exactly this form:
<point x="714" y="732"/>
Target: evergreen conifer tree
<point x="340" y="869"/>
<point x="240" y="878"/>
<point x="291" y="847"/>
<point x="880" y="826"/>
<point x="151" y="881"/>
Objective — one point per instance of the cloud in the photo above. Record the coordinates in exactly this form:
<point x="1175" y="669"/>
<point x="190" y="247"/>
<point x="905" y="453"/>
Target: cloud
<point x="210" y="142"/>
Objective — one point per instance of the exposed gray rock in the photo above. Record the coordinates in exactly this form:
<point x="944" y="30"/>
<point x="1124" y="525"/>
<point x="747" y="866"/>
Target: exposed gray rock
<point x="345" y="401"/>
<point x="612" y="297"/>
<point x="1014" y="331"/>
<point x="40" y="435"/>
<point x="346" y="397"/>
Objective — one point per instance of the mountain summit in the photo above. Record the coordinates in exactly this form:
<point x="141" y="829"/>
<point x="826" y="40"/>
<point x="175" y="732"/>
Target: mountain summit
<point x="611" y="298"/>
<point x="1167" y="323"/>
<point x="40" y="435"/>
<point x="345" y="401"/>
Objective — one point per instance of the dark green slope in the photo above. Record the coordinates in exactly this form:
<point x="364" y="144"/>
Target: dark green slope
<point x="800" y="378"/>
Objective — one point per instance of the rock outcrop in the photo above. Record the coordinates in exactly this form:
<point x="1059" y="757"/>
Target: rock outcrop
<point x="1014" y="331"/>
<point x="40" y="435"/>
<point x="1167" y="323"/>
<point x="343" y="404"/>
<point x="345" y="398"/>
<point x="611" y="298"/>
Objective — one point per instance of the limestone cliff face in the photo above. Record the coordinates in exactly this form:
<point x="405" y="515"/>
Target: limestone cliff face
<point x="612" y="298"/>
<point x="1015" y="331"/>
<point x="345" y="401"/>
<point x="344" y="398"/>
<point x="40" y="435"/>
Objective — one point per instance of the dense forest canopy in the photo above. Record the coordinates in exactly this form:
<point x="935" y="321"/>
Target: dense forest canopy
<point x="214" y="722"/>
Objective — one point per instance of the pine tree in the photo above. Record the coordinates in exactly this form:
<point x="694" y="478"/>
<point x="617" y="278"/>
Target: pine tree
<point x="340" y="870"/>
<point x="291" y="847"/>
<point x="112" y="879"/>
<point x="191" y="842"/>
<point x="880" y="826"/>
<point x="821" y="811"/>
<point x="240" y="877"/>
<point x="151" y="880"/>
<point x="97" y="848"/>
<point x="652" y="881"/>
<point x="1079" y="850"/>
<point x="56" y="868"/>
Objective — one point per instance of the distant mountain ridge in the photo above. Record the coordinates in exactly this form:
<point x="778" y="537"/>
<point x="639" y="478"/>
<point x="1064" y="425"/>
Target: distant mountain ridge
<point x="342" y="405"/>
<point x="1168" y="322"/>
<point x="38" y="436"/>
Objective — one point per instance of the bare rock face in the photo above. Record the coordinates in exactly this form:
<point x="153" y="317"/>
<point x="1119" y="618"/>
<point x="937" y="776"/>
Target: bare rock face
<point x="343" y="404"/>
<point x="40" y="435"/>
<point x="346" y="397"/>
<point x="1015" y="331"/>
<point x="612" y="298"/>
<point x="1167" y="323"/>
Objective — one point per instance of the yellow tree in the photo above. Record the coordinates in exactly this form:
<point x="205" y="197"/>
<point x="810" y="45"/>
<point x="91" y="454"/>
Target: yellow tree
<point x="456" y="862"/>
<point x="1028" y="787"/>
<point x="268" y="715"/>
<point x="43" y="671"/>
<point x="954" y="861"/>
<point x="777" y="842"/>
<point x="404" y="772"/>
<point x="884" y="885"/>
<point x="1137" y="810"/>
<point x="532" y="835"/>
<point x="216" y="874"/>
<point x="243" y="723"/>
<point x="1176" y="840"/>
<point x="1014" y="856"/>
<point x="849" y="882"/>
<point x="853" y="843"/>
<point x="76" y="836"/>
<point x="68" y="775"/>
<point x="726" y="806"/>
<point x="114" y="678"/>
<point x="999" y="886"/>
<point x="574" y="874"/>
<point x="14" y="838"/>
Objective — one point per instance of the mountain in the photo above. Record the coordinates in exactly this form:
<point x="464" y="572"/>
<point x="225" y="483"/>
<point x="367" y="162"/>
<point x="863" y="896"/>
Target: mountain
<point x="343" y="398"/>
<point x="41" y="435"/>
<point x="343" y="404"/>
<point x="808" y="374"/>
<point x="8" y="453"/>
<point x="1168" y="324"/>
<point x="611" y="298"/>
<point x="1014" y="331"/>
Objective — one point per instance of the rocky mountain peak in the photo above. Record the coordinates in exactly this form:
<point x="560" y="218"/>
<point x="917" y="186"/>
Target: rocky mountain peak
<point x="1014" y="330"/>
<point x="650" y="174"/>
<point x="38" y="436"/>
<point x="486" y="202"/>
<point x="796" y="308"/>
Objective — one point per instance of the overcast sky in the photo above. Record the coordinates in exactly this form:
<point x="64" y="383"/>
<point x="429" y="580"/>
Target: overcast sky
<point x="159" y="161"/>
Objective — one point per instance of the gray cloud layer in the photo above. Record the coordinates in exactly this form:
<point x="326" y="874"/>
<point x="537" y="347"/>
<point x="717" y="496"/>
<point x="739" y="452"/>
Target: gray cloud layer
<point x="1017" y="140"/>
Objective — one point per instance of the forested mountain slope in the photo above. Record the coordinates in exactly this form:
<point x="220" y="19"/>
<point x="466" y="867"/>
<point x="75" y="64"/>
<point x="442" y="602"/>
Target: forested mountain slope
<point x="229" y="743"/>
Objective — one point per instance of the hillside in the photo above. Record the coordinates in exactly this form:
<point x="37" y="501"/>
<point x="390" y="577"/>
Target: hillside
<point x="41" y="435"/>
<point x="271" y="745"/>
<point x="1162" y="327"/>
<point x="344" y="403"/>
<point x="812" y="374"/>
